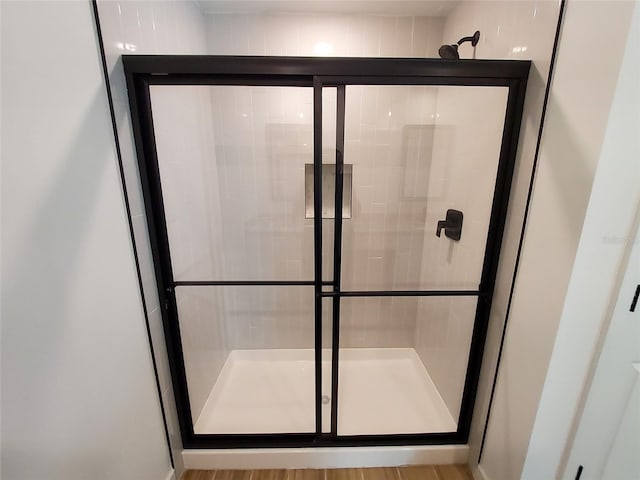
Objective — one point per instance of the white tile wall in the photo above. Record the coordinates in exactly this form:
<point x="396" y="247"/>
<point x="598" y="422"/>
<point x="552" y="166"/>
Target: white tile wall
<point x="385" y="239"/>
<point x="374" y="146"/>
<point x="444" y="328"/>
<point x="263" y="138"/>
<point x="322" y="34"/>
<point x="203" y="337"/>
<point x="388" y="139"/>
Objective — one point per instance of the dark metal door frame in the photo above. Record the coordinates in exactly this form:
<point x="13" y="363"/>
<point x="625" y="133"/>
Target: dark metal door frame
<point x="142" y="71"/>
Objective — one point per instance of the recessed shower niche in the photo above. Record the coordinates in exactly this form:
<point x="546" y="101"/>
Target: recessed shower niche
<point x="308" y="299"/>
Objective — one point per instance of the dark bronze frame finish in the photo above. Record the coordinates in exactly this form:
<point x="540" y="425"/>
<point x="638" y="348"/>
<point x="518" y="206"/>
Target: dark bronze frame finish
<point x="143" y="71"/>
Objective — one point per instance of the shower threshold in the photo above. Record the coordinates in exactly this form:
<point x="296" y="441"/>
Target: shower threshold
<point x="381" y="391"/>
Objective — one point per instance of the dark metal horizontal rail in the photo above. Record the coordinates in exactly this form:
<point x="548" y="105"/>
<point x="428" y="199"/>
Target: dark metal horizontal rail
<point x="327" y="81"/>
<point x="334" y="81"/>
<point x="229" y="80"/>
<point x="226" y="441"/>
<point x="247" y="283"/>
<point x="309" y="67"/>
<point x="406" y="293"/>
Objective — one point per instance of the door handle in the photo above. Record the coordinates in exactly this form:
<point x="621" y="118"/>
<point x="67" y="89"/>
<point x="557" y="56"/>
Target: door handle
<point x="452" y="225"/>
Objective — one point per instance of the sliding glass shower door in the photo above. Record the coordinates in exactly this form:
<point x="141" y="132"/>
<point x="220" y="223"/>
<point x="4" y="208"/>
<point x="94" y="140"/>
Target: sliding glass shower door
<point x="424" y="162"/>
<point x="325" y="238"/>
<point x="231" y="164"/>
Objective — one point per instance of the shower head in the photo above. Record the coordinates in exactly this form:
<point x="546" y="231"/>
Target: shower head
<point x="451" y="51"/>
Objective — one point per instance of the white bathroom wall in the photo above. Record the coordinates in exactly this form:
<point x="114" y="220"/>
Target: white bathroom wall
<point x="572" y="138"/>
<point x="509" y="30"/>
<point x="79" y="398"/>
<point x="596" y="285"/>
<point x="150" y="27"/>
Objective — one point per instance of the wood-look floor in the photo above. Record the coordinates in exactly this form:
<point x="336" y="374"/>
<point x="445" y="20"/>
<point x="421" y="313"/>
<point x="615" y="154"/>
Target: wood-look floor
<point x="430" y="472"/>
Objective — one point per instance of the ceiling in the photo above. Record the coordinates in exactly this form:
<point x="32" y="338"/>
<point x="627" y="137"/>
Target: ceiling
<point x="431" y="8"/>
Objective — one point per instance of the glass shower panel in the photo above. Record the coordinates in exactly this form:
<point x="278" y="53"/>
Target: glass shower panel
<point x="327" y="329"/>
<point x="231" y="161"/>
<point x="329" y="103"/>
<point x="403" y="363"/>
<point x="417" y="152"/>
<point x="249" y="358"/>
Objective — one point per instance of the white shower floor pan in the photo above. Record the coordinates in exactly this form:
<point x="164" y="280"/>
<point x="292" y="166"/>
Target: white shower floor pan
<point x="381" y="391"/>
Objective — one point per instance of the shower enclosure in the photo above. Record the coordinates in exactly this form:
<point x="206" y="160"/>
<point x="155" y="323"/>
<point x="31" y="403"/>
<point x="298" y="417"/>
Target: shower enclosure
<point x="326" y="261"/>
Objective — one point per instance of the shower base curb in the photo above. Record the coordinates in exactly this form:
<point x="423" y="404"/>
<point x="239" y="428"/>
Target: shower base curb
<point x="338" y="457"/>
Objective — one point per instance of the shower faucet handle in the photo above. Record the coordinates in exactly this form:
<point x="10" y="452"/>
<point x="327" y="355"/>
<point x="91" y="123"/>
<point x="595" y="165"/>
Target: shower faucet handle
<point x="452" y="225"/>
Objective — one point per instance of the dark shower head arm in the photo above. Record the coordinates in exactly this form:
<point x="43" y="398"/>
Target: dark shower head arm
<point x="474" y="39"/>
<point x="450" y="52"/>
